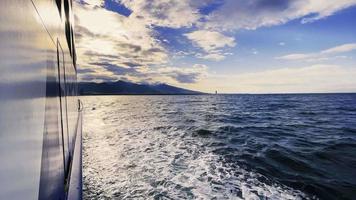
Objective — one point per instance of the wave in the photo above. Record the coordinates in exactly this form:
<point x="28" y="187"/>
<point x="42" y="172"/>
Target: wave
<point x="233" y="147"/>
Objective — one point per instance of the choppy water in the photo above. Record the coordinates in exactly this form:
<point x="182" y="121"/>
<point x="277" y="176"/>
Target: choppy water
<point x="220" y="147"/>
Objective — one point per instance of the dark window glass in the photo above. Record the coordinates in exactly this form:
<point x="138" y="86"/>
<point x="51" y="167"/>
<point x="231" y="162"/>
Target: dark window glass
<point x="68" y="26"/>
<point x="59" y="6"/>
<point x="68" y="36"/>
<point x="66" y="9"/>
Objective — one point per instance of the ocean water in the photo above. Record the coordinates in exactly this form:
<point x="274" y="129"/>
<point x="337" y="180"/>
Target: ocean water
<point x="220" y="147"/>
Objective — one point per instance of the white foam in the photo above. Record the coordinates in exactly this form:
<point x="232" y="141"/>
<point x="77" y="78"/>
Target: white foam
<point x="126" y="156"/>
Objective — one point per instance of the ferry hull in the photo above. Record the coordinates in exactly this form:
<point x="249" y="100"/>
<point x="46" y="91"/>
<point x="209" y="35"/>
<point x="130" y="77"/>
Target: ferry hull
<point x="40" y="111"/>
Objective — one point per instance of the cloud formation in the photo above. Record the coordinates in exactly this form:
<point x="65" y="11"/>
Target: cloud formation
<point x="322" y="55"/>
<point x="115" y="47"/>
<point x="173" y="13"/>
<point x="242" y="14"/>
<point x="184" y="75"/>
<point x="111" y="46"/>
<point x="108" y="33"/>
<point x="212" y="42"/>
<point x="127" y="46"/>
<point x="299" y="79"/>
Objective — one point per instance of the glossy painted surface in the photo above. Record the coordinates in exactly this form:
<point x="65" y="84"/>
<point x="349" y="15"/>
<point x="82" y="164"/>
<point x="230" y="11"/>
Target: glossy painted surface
<point x="75" y="189"/>
<point x="36" y="138"/>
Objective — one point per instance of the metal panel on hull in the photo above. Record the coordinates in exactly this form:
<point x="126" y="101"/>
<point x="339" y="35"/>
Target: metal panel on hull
<point x="63" y="107"/>
<point x="52" y="173"/>
<point x="25" y="52"/>
<point x="31" y="139"/>
<point x="72" y="102"/>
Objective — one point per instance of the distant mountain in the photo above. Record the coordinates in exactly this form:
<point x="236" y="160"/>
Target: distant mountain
<point x="122" y="87"/>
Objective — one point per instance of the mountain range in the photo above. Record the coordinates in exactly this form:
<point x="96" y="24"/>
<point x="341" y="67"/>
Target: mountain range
<point x="128" y="88"/>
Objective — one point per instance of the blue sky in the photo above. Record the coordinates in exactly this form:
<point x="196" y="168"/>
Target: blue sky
<point x="233" y="46"/>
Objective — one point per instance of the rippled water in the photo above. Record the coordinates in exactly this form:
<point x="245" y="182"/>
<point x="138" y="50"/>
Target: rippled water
<point x="220" y="147"/>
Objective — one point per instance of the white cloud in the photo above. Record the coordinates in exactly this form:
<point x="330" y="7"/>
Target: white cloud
<point x="114" y="47"/>
<point x="111" y="46"/>
<point x="340" y="49"/>
<point x="212" y="42"/>
<point x="322" y="8"/>
<point x="182" y="75"/>
<point x="314" y="78"/>
<point x="322" y="55"/>
<point x="295" y="56"/>
<point x="242" y="14"/>
<point x="212" y="56"/>
<point x="106" y="39"/>
<point x="92" y="3"/>
<point x="173" y="13"/>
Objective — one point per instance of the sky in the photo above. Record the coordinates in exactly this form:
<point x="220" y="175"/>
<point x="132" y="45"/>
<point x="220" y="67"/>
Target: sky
<point x="229" y="46"/>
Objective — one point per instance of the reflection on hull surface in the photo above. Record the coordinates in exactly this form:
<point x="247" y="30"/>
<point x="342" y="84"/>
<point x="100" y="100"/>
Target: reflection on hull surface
<point x="40" y="118"/>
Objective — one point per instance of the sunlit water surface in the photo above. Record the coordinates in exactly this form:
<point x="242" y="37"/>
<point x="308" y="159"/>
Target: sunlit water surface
<point x="220" y="147"/>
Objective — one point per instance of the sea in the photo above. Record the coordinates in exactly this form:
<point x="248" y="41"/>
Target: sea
<point x="276" y="146"/>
